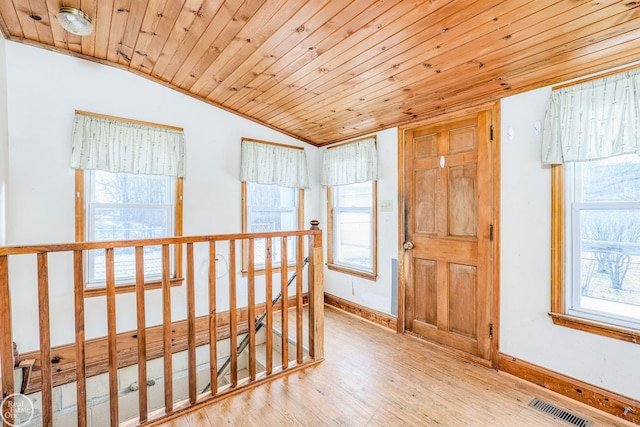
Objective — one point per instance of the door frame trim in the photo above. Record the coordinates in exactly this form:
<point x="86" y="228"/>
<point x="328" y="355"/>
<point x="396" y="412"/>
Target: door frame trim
<point x="495" y="244"/>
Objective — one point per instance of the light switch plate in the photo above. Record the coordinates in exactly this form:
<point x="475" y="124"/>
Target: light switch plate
<point x="386" y="206"/>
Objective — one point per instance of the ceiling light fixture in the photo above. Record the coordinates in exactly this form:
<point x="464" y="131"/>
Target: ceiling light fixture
<point x="75" y="21"/>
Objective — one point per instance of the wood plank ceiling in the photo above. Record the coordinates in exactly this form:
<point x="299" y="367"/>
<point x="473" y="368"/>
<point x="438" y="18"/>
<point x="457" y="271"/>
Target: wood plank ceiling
<point x="328" y="70"/>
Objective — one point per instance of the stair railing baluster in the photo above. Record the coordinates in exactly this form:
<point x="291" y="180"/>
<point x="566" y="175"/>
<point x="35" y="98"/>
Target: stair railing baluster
<point x="258" y="325"/>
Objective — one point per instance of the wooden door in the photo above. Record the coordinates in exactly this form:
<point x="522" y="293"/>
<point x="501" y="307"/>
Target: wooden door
<point x="448" y="201"/>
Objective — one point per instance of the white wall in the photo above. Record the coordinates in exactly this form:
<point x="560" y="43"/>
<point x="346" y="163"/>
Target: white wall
<point x="44" y="90"/>
<point x="4" y="141"/>
<point x="373" y="294"/>
<point x="40" y="205"/>
<point x="526" y="330"/>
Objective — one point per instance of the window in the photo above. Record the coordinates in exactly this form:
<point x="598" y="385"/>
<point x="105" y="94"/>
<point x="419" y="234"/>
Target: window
<point x="350" y="172"/>
<point x="352" y="228"/>
<point x="123" y="206"/>
<point x="597" y="226"/>
<point x="268" y="208"/>
<point x="590" y="139"/>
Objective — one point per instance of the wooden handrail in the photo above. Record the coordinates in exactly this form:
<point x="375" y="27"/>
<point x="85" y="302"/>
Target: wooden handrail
<point x="84" y="246"/>
<point x="197" y="331"/>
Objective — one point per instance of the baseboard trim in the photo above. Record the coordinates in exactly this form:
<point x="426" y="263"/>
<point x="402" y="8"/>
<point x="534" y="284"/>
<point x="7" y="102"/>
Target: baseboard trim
<point x="377" y="317"/>
<point x="588" y="394"/>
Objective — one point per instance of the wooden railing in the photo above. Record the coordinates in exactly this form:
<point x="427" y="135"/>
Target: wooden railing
<point x="195" y="326"/>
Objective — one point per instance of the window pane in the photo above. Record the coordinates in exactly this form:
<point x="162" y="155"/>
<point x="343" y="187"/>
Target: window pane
<point x="260" y="259"/>
<point x="352" y="225"/>
<point x="354" y="195"/>
<point x="616" y="179"/>
<point x="127" y="188"/>
<point x="271" y="208"/>
<point x="125" y="263"/>
<point x="610" y="261"/>
<point x="354" y="238"/>
<point x="270" y="196"/>
<point x="606" y="240"/>
<point x="262" y="221"/>
<point x="129" y="223"/>
<point x="128" y="207"/>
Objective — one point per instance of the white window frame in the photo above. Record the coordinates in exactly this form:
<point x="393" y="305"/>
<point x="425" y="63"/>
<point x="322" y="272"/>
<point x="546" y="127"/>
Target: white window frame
<point x="297" y="210"/>
<point x="333" y="211"/>
<point x="573" y="293"/>
<point x="84" y="230"/>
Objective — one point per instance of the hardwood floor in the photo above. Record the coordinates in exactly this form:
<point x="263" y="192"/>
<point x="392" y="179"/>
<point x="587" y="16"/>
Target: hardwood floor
<point x="373" y="377"/>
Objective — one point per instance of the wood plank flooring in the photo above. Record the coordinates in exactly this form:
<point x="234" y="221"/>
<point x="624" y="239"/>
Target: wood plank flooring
<point x="373" y="377"/>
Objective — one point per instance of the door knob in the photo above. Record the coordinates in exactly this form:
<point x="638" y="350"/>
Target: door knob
<point x="407" y="246"/>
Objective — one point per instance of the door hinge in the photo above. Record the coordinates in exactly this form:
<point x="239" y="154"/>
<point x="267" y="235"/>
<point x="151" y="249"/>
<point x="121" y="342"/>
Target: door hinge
<point x="491" y="132"/>
<point x="490" y="330"/>
<point x="491" y="232"/>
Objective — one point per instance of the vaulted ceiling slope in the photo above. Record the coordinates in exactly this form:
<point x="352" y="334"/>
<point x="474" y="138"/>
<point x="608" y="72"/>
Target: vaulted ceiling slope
<point x="328" y="70"/>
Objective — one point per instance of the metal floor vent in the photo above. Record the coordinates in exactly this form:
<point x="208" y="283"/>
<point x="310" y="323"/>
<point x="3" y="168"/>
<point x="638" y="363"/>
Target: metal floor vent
<point x="560" y="413"/>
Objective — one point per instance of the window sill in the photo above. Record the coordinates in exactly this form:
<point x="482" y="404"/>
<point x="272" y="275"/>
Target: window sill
<point x="616" y="332"/>
<point x="353" y="272"/>
<point x="123" y="289"/>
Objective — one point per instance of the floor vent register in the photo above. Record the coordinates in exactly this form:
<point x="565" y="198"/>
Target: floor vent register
<point x="559" y="413"/>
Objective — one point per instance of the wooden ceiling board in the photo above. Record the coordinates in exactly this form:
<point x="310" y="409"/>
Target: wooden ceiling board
<point x="226" y="29"/>
<point x="521" y="55"/>
<point x="596" y="64"/>
<point x="478" y="94"/>
<point x="43" y="27"/>
<point x="88" y="42"/>
<point x="167" y="42"/>
<point x="119" y="18"/>
<point x="9" y="22"/>
<point x="135" y="16"/>
<point x="284" y="39"/>
<point x="368" y="80"/>
<point x="27" y="24"/>
<point x="499" y="59"/>
<point x="278" y="62"/>
<point x="160" y="34"/>
<point x="204" y="45"/>
<point x="408" y="67"/>
<point x="326" y="71"/>
<point x="347" y="36"/>
<point x="148" y="28"/>
<point x="248" y="40"/>
<point x="367" y="47"/>
<point x="102" y="27"/>
<point x="173" y="34"/>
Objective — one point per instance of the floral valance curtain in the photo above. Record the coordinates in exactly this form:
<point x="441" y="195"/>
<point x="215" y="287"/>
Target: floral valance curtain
<point x="593" y="120"/>
<point x="350" y="163"/>
<point x="121" y="146"/>
<point x="273" y="164"/>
